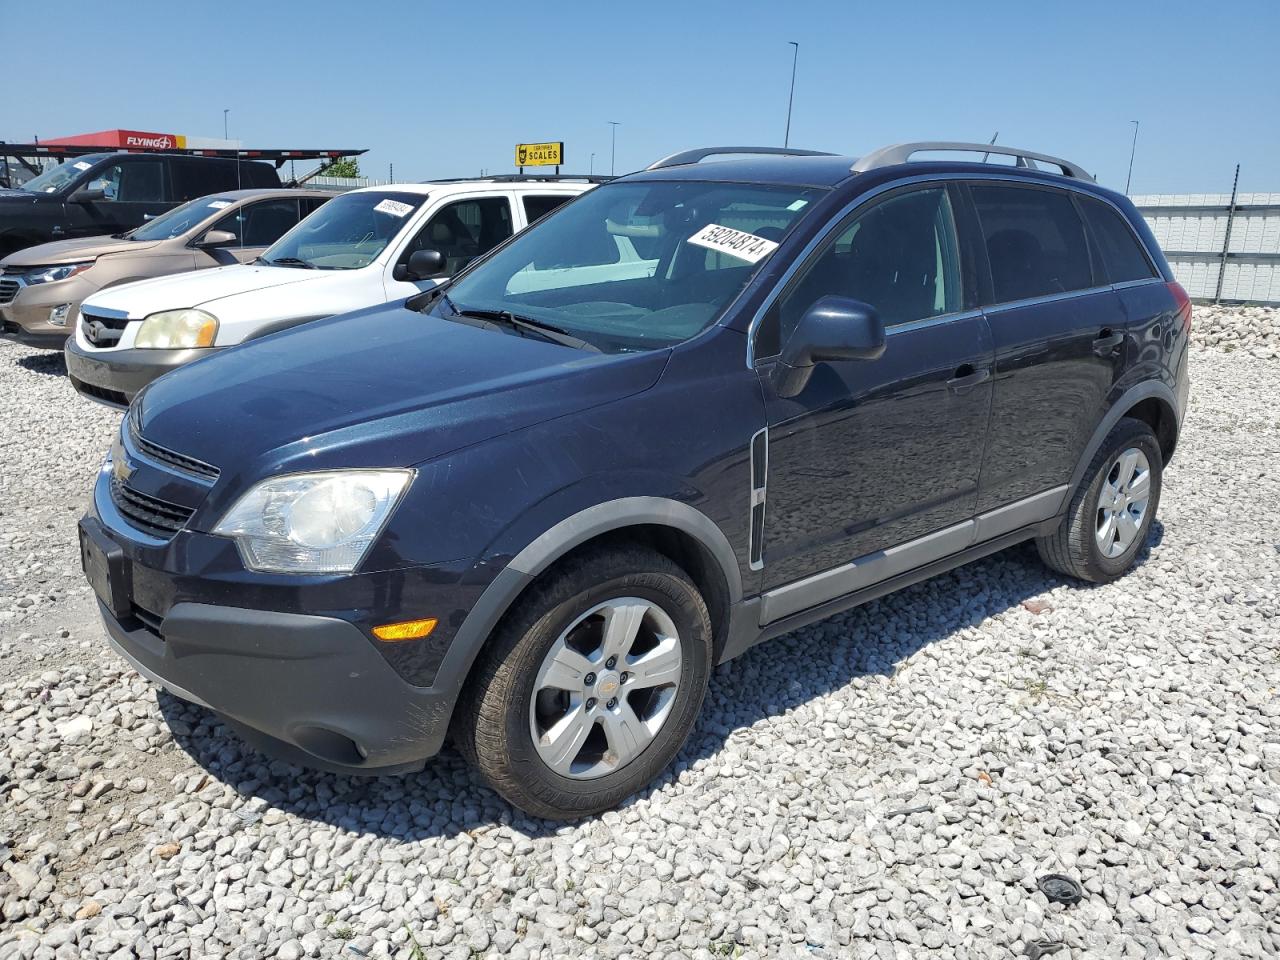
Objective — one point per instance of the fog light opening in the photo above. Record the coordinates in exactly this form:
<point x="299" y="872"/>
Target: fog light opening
<point x="405" y="629"/>
<point x="58" y="315"/>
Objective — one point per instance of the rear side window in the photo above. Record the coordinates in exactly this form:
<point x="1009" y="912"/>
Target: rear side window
<point x="536" y="207"/>
<point x="1035" y="242"/>
<point x="192" y="178"/>
<point x="1122" y="255"/>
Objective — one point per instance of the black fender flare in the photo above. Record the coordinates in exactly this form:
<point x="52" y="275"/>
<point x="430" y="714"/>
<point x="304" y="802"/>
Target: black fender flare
<point x="553" y="544"/>
<point x="1122" y="405"/>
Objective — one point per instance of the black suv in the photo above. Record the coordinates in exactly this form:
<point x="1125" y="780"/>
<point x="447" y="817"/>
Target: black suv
<point x="693" y="409"/>
<point x="105" y="193"/>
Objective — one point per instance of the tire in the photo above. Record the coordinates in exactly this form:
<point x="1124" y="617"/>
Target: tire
<point x="1074" y="548"/>
<point x="512" y="693"/>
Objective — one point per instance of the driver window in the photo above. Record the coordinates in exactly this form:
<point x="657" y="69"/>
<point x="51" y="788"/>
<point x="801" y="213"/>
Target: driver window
<point x="138" y="181"/>
<point x="900" y="256"/>
<point x="464" y="230"/>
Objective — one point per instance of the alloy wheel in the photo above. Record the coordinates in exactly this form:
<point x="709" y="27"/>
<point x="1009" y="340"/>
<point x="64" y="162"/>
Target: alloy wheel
<point x="1122" y="502"/>
<point x="605" y="688"/>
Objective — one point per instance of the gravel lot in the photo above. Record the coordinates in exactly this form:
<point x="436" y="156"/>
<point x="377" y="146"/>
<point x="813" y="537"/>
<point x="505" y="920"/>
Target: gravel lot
<point x="889" y="783"/>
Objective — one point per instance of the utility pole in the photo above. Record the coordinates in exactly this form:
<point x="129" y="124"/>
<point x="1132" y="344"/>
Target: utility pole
<point x="1132" y="150"/>
<point x="613" y="146"/>
<point x="592" y="167"/>
<point x="795" y="56"/>
<point x="224" y="124"/>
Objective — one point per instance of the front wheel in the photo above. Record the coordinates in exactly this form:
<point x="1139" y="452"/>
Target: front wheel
<point x="1112" y="511"/>
<point x="591" y="686"/>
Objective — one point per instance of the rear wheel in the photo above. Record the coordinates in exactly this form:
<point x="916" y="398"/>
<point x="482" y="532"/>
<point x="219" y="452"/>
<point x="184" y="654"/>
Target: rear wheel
<point x="1111" y="512"/>
<point x="591" y="686"/>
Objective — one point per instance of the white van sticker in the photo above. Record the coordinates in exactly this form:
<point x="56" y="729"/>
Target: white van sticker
<point x="736" y="243"/>
<point x="81" y="165"/>
<point x="219" y="204"/>
<point x="394" y="207"/>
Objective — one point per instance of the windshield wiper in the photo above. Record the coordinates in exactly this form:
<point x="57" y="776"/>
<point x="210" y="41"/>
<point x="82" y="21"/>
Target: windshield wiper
<point x="546" y="331"/>
<point x="290" y="262"/>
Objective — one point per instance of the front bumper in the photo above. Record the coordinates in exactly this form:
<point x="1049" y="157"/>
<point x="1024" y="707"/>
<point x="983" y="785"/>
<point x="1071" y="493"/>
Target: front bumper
<point x="114" y="377"/>
<point x="25" y="319"/>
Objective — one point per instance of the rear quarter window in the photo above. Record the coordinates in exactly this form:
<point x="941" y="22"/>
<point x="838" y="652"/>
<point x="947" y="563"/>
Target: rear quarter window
<point x="1035" y="242"/>
<point x="1122" y="256"/>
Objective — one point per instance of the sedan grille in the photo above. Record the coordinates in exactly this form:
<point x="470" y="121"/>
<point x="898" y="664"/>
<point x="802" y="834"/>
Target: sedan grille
<point x="102" y="331"/>
<point x="151" y="515"/>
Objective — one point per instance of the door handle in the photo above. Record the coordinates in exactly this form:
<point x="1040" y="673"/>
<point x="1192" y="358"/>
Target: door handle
<point x="1106" y="342"/>
<point x="967" y="377"/>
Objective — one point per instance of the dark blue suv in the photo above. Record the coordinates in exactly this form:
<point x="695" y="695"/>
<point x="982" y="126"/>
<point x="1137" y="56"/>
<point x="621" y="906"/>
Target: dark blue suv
<point x="695" y="408"/>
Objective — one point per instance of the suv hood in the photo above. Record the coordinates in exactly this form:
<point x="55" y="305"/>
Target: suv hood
<point x="72" y="251"/>
<point x="197" y="289"/>
<point x="382" y="387"/>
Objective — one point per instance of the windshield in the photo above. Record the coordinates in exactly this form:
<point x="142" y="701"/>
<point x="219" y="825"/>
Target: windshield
<point x="348" y="232"/>
<point x="180" y="219"/>
<point x="636" y="266"/>
<point x="51" y="181"/>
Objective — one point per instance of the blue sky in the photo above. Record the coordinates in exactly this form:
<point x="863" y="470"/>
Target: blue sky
<point x="448" y="89"/>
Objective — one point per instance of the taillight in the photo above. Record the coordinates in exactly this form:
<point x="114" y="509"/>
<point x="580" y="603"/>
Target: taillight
<point x="1183" y="303"/>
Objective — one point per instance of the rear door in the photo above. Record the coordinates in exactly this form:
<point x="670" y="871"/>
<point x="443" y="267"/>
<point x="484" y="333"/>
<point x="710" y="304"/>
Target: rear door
<point x="874" y="454"/>
<point x="136" y="189"/>
<point x="1060" y="336"/>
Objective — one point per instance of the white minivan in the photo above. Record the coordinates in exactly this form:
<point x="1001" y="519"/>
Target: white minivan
<point x="353" y="252"/>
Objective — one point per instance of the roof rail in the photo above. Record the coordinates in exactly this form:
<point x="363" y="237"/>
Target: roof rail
<point x="529" y="178"/>
<point x="902" y="152"/>
<point x="701" y="153"/>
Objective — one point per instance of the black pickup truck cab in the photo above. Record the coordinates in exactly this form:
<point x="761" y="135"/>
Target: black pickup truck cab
<point x="108" y="193"/>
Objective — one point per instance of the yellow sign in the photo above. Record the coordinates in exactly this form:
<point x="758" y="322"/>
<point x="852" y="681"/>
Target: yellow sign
<point x="539" y="154"/>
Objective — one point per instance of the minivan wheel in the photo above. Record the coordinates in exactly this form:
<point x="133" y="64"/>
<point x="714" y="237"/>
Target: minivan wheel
<point x="591" y="686"/>
<point x="1111" y="512"/>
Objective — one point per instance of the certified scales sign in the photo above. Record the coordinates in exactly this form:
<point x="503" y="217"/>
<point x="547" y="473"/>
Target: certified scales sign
<point x="539" y="154"/>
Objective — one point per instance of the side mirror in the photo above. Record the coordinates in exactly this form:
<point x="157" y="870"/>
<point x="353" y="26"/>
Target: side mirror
<point x="86" y="195"/>
<point x="833" y="329"/>
<point x="422" y="265"/>
<point x="216" y="238"/>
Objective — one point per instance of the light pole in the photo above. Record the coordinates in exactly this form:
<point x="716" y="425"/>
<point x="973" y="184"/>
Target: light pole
<point x="224" y="124"/>
<point x="613" y="145"/>
<point x="795" y="56"/>
<point x="1132" y="150"/>
<point x="592" y="168"/>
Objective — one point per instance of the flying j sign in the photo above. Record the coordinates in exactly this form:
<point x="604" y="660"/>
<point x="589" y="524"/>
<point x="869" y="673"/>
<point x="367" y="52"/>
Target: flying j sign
<point x="539" y="154"/>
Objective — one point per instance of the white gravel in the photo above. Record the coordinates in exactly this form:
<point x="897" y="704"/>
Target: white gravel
<point x="888" y="784"/>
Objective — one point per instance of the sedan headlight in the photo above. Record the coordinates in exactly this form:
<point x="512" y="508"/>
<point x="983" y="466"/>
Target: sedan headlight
<point x="177" y="329"/>
<point x="313" y="522"/>
<point x="62" y="271"/>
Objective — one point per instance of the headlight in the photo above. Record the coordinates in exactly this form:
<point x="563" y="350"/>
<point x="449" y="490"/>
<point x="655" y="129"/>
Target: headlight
<point x="177" y="329"/>
<point x="313" y="522"/>
<point x="63" y="271"/>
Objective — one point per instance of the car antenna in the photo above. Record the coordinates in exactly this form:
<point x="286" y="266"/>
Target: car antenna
<point x="992" y="142"/>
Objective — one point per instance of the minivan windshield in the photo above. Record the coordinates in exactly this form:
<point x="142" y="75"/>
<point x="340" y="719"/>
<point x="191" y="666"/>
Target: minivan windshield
<point x="634" y="266"/>
<point x="51" y="181"/>
<point x="180" y="219"/>
<point x="347" y="233"/>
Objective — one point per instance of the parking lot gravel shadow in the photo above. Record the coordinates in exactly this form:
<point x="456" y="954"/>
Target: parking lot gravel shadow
<point x="49" y="362"/>
<point x="768" y="681"/>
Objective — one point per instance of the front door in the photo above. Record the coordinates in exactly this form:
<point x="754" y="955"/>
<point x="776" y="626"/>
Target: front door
<point x="461" y="230"/>
<point x="135" y="191"/>
<point x="874" y="454"/>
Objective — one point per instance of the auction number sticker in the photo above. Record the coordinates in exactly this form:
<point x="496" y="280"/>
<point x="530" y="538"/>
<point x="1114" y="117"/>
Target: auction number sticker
<point x="394" y="207"/>
<point x="219" y="204"/>
<point x="736" y="243"/>
<point x="81" y="165"/>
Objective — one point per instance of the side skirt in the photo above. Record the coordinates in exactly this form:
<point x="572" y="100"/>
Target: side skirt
<point x="746" y="632"/>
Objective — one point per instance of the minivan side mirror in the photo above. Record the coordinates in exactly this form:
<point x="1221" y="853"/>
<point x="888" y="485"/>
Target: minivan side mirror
<point x="86" y="195"/>
<point x="215" y="238"/>
<point x="422" y="265"/>
<point x="833" y="329"/>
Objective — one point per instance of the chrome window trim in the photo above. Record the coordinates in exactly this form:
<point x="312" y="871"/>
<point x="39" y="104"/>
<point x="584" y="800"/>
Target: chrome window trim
<point x="913" y="325"/>
<point x="1126" y="284"/>
<point x="871" y="195"/>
